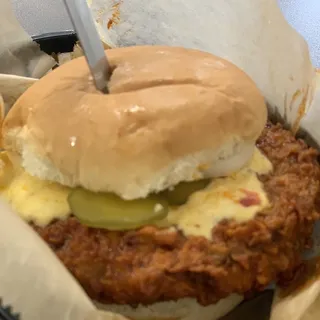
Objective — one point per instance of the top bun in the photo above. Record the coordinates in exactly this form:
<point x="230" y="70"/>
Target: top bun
<point x="172" y="115"/>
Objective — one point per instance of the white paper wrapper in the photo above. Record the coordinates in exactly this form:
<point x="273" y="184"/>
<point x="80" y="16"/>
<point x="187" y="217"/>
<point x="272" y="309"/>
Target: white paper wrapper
<point x="302" y="302"/>
<point x="18" y="54"/>
<point x="252" y="34"/>
<point x="11" y="88"/>
<point x="30" y="275"/>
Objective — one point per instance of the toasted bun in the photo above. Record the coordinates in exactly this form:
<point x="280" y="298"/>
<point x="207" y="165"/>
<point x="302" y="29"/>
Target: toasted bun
<point x="183" y="309"/>
<point x="172" y="115"/>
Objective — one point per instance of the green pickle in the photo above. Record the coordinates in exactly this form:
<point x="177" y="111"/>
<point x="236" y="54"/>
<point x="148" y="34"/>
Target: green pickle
<point x="180" y="194"/>
<point x="108" y="211"/>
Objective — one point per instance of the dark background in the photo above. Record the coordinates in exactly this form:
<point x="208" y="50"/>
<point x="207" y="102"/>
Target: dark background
<point x="49" y="16"/>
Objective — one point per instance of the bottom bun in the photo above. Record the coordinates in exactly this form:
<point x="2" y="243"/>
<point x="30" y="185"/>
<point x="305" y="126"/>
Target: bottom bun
<point x="183" y="309"/>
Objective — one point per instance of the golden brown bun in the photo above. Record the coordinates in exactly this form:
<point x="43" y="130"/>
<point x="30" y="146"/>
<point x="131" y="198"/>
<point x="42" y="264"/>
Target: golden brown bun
<point x="183" y="309"/>
<point x="172" y="115"/>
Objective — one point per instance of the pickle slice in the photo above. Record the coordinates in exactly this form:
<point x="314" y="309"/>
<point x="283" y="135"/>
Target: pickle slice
<point x="182" y="191"/>
<point x="108" y="211"/>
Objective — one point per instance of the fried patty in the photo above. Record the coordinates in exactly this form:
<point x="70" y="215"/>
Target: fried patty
<point x="151" y="265"/>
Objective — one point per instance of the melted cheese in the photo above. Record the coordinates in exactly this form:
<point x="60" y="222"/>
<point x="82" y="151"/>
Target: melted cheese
<point x="239" y="196"/>
<point x="33" y="199"/>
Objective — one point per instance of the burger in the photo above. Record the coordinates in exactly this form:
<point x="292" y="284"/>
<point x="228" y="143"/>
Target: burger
<point x="173" y="197"/>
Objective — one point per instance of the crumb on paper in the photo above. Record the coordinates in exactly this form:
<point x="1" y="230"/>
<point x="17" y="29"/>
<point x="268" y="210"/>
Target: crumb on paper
<point x="203" y="166"/>
<point x="294" y="98"/>
<point x="285" y="103"/>
<point x="99" y="17"/>
<point x="301" y="111"/>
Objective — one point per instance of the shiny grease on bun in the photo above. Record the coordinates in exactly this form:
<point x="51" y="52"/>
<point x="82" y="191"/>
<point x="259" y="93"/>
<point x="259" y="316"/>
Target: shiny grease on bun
<point x="172" y="115"/>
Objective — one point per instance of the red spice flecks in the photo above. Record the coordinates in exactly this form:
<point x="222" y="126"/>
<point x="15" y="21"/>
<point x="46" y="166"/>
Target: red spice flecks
<point x="251" y="198"/>
<point x="115" y="18"/>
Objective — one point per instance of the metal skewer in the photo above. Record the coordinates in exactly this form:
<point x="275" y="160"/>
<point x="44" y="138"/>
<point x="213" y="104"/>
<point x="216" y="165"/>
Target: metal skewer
<point x="83" y="23"/>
